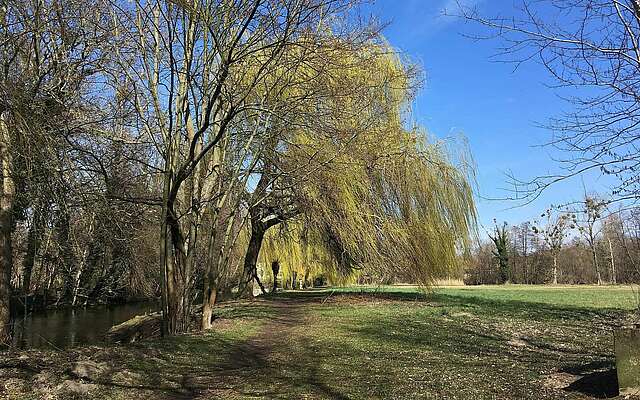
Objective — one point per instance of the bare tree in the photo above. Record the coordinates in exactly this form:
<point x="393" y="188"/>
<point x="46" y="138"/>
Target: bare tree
<point x="587" y="221"/>
<point x="553" y="234"/>
<point x="613" y="234"/>
<point x="48" y="52"/>
<point x="592" y="51"/>
<point x="201" y="71"/>
<point x="7" y="196"/>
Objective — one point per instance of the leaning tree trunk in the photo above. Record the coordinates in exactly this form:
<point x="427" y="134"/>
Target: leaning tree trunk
<point x="259" y="282"/>
<point x="253" y="251"/>
<point x="7" y="194"/>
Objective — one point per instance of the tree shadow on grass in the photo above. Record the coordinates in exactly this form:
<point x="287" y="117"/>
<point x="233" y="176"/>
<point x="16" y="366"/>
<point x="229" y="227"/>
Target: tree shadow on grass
<point x="532" y="310"/>
<point x="321" y="295"/>
<point x="598" y="379"/>
<point x="201" y="365"/>
<point x="527" y="309"/>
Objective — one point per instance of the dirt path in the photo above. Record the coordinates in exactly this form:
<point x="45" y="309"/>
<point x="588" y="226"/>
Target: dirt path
<point x="247" y="364"/>
<point x="257" y="350"/>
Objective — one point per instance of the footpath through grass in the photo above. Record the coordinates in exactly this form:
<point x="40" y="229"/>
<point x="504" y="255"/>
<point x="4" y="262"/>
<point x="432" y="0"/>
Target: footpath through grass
<point x="515" y="342"/>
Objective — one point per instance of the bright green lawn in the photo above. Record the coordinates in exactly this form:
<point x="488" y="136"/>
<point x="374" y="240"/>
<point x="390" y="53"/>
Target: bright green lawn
<point x="586" y="296"/>
<point x="621" y="297"/>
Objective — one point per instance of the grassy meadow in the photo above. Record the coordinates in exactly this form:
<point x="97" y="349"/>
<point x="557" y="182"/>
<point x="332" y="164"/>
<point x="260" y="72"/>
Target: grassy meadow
<point x="510" y="342"/>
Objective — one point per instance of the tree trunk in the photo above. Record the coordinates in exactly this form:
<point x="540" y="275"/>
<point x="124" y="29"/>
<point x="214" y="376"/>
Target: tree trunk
<point x="68" y="259"/>
<point x="210" y="290"/>
<point x="614" y="280"/>
<point x="33" y="245"/>
<point x="211" y="293"/>
<point x="595" y="264"/>
<point x="175" y="266"/>
<point x="259" y="282"/>
<point x="171" y="303"/>
<point x="6" y="263"/>
<point x="164" y="278"/>
<point x="305" y="281"/>
<point x="7" y="193"/>
<point x="555" y="269"/>
<point x="253" y="250"/>
<point x="275" y="269"/>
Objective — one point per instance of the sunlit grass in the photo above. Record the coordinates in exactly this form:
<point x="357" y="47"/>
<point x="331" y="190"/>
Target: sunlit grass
<point x="378" y="343"/>
<point x="584" y="296"/>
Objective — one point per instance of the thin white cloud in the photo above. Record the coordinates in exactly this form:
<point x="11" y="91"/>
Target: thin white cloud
<point x="419" y="19"/>
<point x="450" y="8"/>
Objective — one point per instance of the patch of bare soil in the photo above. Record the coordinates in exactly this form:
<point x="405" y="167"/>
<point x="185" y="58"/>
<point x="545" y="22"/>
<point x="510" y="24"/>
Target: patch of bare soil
<point x="559" y="380"/>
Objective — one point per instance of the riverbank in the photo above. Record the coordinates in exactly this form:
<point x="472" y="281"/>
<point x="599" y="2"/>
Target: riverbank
<point x="68" y="327"/>
<point x="508" y="343"/>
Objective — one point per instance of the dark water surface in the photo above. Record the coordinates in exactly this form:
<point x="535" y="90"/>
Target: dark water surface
<point x="72" y="327"/>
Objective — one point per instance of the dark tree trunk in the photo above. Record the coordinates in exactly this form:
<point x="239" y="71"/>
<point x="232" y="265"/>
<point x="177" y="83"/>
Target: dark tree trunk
<point x="253" y="251"/>
<point x="257" y="278"/>
<point x="305" y="282"/>
<point x="275" y="269"/>
<point x="176" y="273"/>
<point x="68" y="259"/>
<point x="95" y="261"/>
<point x="33" y="244"/>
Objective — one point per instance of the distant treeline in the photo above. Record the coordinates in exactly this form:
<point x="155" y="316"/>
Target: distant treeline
<point x="591" y="245"/>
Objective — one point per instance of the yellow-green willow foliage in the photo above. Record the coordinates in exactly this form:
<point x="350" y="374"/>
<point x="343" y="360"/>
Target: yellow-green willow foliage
<point x="406" y="216"/>
<point x="298" y="252"/>
<point x="385" y="202"/>
<point x="348" y="104"/>
<point x="373" y="197"/>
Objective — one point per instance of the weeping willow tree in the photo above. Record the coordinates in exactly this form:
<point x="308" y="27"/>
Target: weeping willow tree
<point x="372" y="197"/>
<point x="405" y="216"/>
<point x="344" y="104"/>
<point x="342" y="187"/>
<point x="387" y="201"/>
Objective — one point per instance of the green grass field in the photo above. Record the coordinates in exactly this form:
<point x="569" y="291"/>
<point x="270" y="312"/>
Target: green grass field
<point x="512" y="342"/>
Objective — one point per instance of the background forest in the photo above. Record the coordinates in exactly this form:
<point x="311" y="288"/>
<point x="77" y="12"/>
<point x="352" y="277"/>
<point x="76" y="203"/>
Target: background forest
<point x="589" y="245"/>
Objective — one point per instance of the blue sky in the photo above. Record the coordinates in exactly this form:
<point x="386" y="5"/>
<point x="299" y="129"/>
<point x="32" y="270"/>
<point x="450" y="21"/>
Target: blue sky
<point x="496" y="108"/>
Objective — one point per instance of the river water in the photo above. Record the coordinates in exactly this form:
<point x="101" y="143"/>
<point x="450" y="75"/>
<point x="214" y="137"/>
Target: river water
<point x="72" y="327"/>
